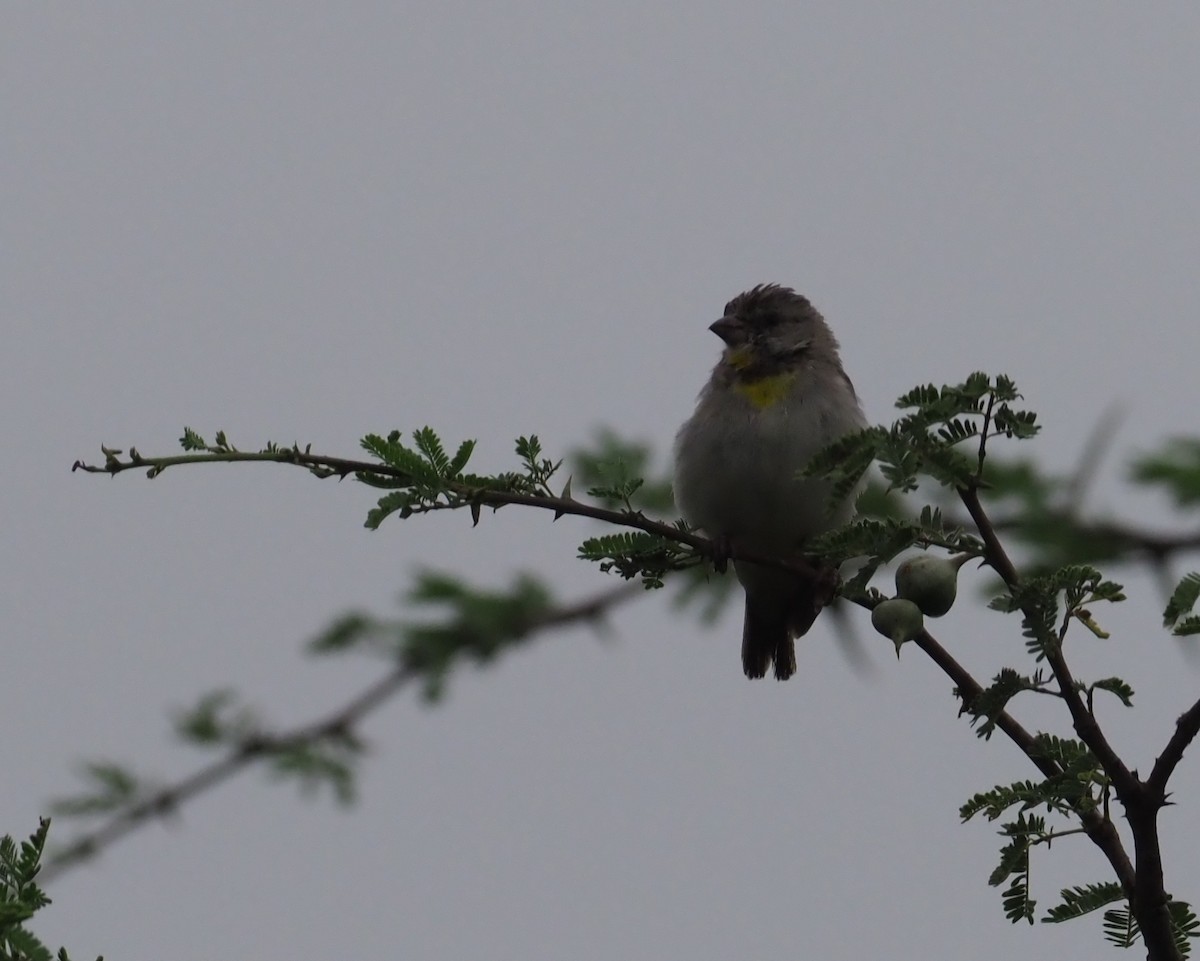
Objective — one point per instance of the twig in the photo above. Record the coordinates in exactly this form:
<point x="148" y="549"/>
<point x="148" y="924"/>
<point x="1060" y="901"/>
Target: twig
<point x="1186" y="729"/>
<point x="325" y="466"/>
<point x="1097" y="445"/>
<point x="1086" y="727"/>
<point x="257" y="747"/>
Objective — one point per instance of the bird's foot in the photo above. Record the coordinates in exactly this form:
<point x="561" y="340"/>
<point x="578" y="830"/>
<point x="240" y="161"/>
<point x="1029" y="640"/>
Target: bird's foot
<point x="722" y="550"/>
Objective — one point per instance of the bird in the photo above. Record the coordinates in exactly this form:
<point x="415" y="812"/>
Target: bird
<point x="775" y="398"/>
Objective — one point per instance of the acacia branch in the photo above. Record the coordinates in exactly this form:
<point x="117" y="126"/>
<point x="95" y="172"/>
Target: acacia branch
<point x="1099" y="829"/>
<point x="1147" y="894"/>
<point x="339" y="724"/>
<point x="465" y="496"/>
<point x="1124" y="781"/>
<point x="1186" y="729"/>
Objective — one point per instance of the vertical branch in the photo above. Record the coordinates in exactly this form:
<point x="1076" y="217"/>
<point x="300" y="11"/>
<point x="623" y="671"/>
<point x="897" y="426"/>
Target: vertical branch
<point x="1142" y="802"/>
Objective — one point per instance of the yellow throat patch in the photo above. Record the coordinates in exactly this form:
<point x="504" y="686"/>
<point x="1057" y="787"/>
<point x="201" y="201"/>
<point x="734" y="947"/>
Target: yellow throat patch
<point x="763" y="392"/>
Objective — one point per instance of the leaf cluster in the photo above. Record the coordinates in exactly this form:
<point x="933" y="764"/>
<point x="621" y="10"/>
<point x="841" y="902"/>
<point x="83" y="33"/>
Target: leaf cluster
<point x="1079" y="785"/>
<point x="926" y="441"/>
<point x="1175" y="469"/>
<point x="426" y="478"/>
<point x="21" y="898"/>
<point x="469" y="625"/>
<point x="617" y="472"/>
<point x="872" y="542"/>
<point x="1068" y="591"/>
<point x="1178" y="616"/>
<point x="637" y="554"/>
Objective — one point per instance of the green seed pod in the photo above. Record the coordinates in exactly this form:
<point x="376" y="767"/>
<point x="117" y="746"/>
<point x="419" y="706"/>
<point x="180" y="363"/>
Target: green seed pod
<point x="930" y="582"/>
<point x="898" y="619"/>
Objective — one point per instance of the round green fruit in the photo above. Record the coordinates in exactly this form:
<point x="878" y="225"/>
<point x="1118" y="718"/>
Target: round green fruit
<point x="930" y="582"/>
<point x="898" y="619"/>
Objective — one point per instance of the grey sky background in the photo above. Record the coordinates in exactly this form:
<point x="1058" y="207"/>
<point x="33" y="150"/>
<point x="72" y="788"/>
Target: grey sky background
<point x="299" y="221"/>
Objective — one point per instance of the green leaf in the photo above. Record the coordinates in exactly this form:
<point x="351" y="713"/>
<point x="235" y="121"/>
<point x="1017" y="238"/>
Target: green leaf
<point x="1120" y="927"/>
<point x="537" y="469"/>
<point x="314" y="765"/>
<point x="191" y="440"/>
<point x="1183" y="599"/>
<point x="461" y="456"/>
<point x="401" y="458"/>
<point x="20" y="897"/>
<point x="1018" y="424"/>
<point x="398" y="501"/>
<point x="992" y="700"/>
<point x="949" y="467"/>
<point x="529" y="449"/>
<point x="1078" y="901"/>
<point x="113" y="787"/>
<point x="1188" y="627"/>
<point x="1014" y="856"/>
<point x="430" y="446"/>
<point x="1176" y="468"/>
<point x="206" y="723"/>
<point x="24" y="946"/>
<point x="474" y="624"/>
<point x="1018" y="905"/>
<point x="610" y="460"/>
<point x="1184" y="925"/>
<point x="637" y="554"/>
<point x="1114" y="685"/>
<point x="344" y="634"/>
<point x="1068" y="753"/>
<point x="994" y="803"/>
<point x="956" y="430"/>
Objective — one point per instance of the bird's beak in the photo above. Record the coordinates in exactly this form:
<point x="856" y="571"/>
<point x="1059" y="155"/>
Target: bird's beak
<point x="728" y="329"/>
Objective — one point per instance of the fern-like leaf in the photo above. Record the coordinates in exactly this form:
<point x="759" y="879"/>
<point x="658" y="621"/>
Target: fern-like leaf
<point x="430" y="446"/>
<point x="1079" y="901"/>
<point x="461" y="456"/>
<point x="1183" y="599"/>
<point x="1121" y="928"/>
<point x="1184" y="925"/>
<point x="1117" y="687"/>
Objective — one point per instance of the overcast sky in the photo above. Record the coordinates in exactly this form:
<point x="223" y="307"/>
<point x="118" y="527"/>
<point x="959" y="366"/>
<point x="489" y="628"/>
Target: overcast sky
<point x="303" y="222"/>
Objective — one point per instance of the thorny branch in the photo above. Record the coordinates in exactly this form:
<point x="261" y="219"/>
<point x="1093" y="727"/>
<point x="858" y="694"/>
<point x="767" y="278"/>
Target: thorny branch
<point x="324" y="466"/>
<point x="1142" y="800"/>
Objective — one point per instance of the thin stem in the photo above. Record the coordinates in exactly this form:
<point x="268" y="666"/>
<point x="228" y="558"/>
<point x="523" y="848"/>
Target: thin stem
<point x="983" y="436"/>
<point x="326" y="466"/>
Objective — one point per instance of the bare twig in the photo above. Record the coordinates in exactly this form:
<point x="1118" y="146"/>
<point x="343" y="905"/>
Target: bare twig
<point x="1186" y="729"/>
<point x="1097" y="445"/>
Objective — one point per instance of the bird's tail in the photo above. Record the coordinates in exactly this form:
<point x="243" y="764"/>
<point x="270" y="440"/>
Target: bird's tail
<point x="772" y="623"/>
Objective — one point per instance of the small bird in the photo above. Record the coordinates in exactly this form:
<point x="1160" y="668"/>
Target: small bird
<point x="776" y="397"/>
